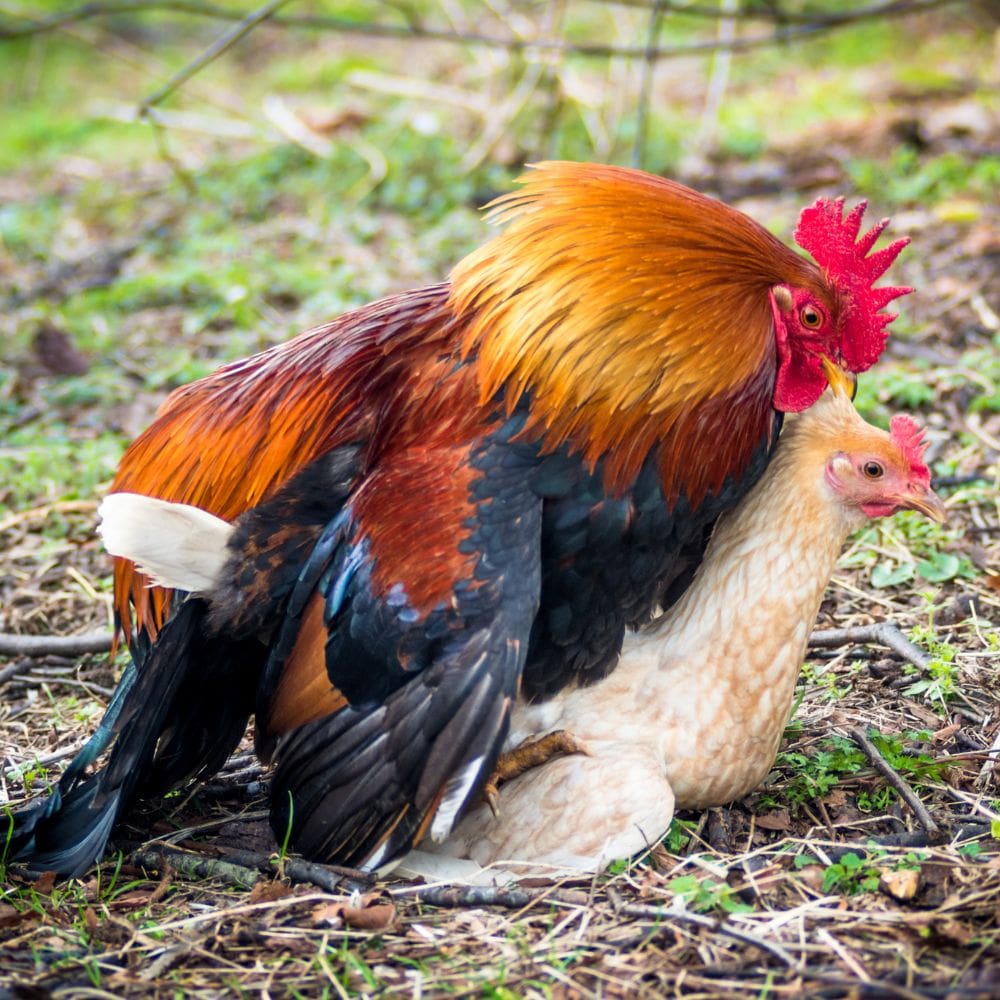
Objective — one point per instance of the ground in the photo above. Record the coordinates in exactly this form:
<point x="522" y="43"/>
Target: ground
<point x="305" y="173"/>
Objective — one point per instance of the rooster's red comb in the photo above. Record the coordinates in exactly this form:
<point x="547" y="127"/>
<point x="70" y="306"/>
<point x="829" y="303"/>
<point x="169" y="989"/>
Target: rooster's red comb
<point x="908" y="436"/>
<point x="832" y="239"/>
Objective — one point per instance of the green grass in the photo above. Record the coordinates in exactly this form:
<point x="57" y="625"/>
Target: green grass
<point x="907" y="178"/>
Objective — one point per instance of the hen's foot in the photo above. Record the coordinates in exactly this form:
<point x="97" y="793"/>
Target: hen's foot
<point x="525" y="756"/>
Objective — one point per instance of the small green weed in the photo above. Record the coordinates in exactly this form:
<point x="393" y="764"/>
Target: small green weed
<point x="815" y="775"/>
<point x="938" y="681"/>
<point x="704" y="893"/>
<point x="679" y="835"/>
<point x="854" y="874"/>
<point x="850" y="875"/>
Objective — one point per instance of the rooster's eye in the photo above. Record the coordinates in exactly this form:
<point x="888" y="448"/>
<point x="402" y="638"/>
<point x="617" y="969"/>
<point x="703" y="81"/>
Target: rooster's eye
<point x="873" y="470"/>
<point x="810" y="317"/>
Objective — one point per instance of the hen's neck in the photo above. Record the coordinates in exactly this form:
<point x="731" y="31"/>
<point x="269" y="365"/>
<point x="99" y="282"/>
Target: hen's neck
<point x="721" y="666"/>
<point x="765" y="570"/>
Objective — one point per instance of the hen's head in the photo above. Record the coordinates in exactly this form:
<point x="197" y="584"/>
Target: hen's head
<point x="841" y="319"/>
<point x="869" y="472"/>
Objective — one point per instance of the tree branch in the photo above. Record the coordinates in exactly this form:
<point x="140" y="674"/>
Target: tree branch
<point x="896" y="780"/>
<point x="216" y="49"/>
<point x="787" y="28"/>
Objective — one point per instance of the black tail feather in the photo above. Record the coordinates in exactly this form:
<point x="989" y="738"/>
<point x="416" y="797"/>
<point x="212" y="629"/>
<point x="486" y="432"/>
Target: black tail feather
<point x="177" y="717"/>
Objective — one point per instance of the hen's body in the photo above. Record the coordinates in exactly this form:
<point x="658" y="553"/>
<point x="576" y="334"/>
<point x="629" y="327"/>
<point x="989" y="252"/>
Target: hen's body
<point x="693" y="714"/>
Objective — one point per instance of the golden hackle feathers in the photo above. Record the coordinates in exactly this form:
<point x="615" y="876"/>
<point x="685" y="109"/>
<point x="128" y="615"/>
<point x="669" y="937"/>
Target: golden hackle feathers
<point x="623" y="303"/>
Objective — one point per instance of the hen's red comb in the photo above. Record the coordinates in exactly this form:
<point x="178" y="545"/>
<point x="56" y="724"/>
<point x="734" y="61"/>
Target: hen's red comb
<point x="832" y="239"/>
<point x="908" y="435"/>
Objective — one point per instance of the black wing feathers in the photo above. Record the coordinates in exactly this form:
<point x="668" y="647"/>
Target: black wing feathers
<point x="610" y="562"/>
<point x="425" y="724"/>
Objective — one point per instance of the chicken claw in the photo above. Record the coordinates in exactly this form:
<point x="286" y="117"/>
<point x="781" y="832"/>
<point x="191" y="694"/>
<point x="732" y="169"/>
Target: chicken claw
<point x="529" y="754"/>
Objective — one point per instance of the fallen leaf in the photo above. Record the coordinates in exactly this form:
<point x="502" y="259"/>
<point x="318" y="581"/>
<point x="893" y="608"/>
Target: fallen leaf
<point x="836" y="799"/>
<point x="778" y="819"/>
<point x="134" y="900"/>
<point x="45" y="883"/>
<point x="57" y="352"/>
<point x="266" y="892"/>
<point x="9" y="917"/>
<point x="370" y="918"/>
<point x="812" y="876"/>
<point x="946" y="733"/>
<point x="903" y="884"/>
<point x="364" y="915"/>
<point x="954" y="930"/>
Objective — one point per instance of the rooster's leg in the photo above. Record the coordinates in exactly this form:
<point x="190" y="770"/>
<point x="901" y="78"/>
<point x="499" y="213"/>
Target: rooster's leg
<point x="531" y="753"/>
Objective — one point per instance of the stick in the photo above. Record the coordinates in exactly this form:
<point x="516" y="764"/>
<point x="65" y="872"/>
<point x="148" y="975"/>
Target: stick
<point x="490" y="895"/>
<point x="884" y="633"/>
<point x="896" y="780"/>
<point x="329" y="877"/>
<point x="12" y="644"/>
<point x="660" y="913"/>
<point x="220" y="45"/>
<point x="15" y="668"/>
<point x="195" y="866"/>
<point x="646" y="83"/>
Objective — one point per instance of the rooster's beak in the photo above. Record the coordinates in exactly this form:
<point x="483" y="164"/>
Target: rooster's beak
<point x="843" y="383"/>
<point x="926" y="501"/>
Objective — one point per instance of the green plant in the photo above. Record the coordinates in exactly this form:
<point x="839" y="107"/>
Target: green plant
<point x="907" y="177"/>
<point x="814" y="775"/>
<point x="678" y="836"/>
<point x="704" y="893"/>
<point x="850" y="875"/>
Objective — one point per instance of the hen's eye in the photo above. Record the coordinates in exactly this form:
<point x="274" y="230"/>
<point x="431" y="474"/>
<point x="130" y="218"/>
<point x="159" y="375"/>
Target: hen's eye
<point x="873" y="470"/>
<point x="810" y="317"/>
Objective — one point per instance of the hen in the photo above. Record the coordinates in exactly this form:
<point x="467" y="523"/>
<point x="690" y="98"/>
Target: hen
<point x="693" y="715"/>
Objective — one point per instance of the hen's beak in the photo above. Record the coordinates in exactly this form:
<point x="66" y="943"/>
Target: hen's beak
<point x="926" y="501"/>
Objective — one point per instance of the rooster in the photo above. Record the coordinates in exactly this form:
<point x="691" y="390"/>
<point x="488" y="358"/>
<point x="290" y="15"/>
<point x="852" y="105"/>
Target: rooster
<point x="458" y="496"/>
<point x="693" y="714"/>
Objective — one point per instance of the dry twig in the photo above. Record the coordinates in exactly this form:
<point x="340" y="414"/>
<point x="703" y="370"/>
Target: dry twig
<point x="786" y="28"/>
<point x="12" y="644"/>
<point x="883" y="633"/>
<point x="329" y="877"/>
<point x="194" y="866"/>
<point x="660" y="914"/>
<point x="896" y="780"/>
<point x="511" y="898"/>
<point x="216" y="49"/>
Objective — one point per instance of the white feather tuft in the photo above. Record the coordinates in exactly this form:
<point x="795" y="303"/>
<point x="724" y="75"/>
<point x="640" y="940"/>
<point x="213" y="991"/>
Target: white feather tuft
<point x="174" y="544"/>
<point x="456" y="792"/>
